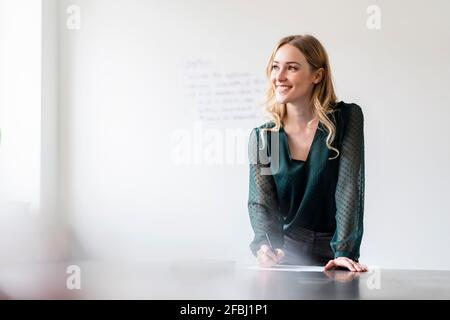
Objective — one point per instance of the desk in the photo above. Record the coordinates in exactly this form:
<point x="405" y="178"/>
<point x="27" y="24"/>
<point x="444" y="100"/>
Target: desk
<point x="214" y="281"/>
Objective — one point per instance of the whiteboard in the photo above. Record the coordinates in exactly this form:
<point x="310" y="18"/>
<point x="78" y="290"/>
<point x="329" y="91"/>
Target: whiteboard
<point x="144" y="83"/>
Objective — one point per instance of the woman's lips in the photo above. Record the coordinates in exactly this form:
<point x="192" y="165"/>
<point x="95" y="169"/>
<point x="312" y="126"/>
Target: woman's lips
<point x="283" y="88"/>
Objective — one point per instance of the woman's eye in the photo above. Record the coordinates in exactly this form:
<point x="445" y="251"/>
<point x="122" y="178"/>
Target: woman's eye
<point x="289" y="68"/>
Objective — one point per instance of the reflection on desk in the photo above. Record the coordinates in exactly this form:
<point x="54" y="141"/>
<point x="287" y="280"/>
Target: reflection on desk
<point x="215" y="280"/>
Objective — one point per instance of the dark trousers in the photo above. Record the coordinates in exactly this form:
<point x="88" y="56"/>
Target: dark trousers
<point x="307" y="247"/>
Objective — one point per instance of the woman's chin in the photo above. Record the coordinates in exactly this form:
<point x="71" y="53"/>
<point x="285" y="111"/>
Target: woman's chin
<point x="282" y="99"/>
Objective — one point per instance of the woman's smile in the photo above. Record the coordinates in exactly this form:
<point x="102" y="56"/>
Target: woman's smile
<point x="283" y="88"/>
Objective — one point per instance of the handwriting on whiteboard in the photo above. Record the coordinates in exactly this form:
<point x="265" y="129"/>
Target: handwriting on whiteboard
<point x="223" y="95"/>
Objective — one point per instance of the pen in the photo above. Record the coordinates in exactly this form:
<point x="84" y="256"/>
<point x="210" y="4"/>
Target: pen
<point x="270" y="243"/>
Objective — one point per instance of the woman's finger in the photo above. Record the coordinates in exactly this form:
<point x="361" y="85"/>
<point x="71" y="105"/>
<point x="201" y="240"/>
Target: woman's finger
<point x="265" y="262"/>
<point x="354" y="264"/>
<point x="363" y="267"/>
<point x="330" y="265"/>
<point x="280" y="254"/>
<point x="357" y="266"/>
<point x="347" y="264"/>
<point x="268" y="252"/>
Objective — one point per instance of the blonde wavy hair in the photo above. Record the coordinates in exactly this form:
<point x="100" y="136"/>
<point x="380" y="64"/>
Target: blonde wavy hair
<point x="323" y="96"/>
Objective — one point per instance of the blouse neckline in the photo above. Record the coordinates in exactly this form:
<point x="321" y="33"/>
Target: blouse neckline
<point x="286" y="141"/>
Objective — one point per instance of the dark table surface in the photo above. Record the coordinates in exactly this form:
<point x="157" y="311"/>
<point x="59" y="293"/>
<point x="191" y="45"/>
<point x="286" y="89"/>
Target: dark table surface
<point x="213" y="280"/>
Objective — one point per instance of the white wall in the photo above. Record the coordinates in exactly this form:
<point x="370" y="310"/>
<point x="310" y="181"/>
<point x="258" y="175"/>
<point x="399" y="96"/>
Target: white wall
<point x="50" y="96"/>
<point x="20" y="102"/>
<point x="21" y="228"/>
<point x="127" y="79"/>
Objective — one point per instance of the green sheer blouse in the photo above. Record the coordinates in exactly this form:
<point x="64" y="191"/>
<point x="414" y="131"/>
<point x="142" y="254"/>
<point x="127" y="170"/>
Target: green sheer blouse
<point x="320" y="194"/>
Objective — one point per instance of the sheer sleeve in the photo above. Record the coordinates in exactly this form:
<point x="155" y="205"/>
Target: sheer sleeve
<point x="350" y="188"/>
<point x="262" y="200"/>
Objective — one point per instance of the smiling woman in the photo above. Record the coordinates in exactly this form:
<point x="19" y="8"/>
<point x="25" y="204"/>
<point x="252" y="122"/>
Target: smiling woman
<point x="311" y="206"/>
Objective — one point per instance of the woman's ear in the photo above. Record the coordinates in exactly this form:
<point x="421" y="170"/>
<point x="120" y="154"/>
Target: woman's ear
<point x="318" y="75"/>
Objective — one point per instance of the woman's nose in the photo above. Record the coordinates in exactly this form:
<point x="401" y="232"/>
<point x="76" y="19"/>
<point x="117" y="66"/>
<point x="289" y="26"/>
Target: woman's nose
<point x="281" y="75"/>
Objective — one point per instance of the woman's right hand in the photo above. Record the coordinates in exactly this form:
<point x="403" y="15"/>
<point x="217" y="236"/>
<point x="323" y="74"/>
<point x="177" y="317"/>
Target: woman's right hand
<point x="267" y="258"/>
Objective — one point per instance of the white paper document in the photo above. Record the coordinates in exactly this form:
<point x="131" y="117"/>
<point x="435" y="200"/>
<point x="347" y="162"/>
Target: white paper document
<point x="291" y="268"/>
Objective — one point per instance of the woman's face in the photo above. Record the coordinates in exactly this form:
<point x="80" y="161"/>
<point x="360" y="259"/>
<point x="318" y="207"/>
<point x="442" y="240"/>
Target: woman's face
<point x="291" y="75"/>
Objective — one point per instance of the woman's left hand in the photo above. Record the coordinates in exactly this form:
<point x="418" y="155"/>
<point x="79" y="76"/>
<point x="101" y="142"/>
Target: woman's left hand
<point x="346" y="263"/>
